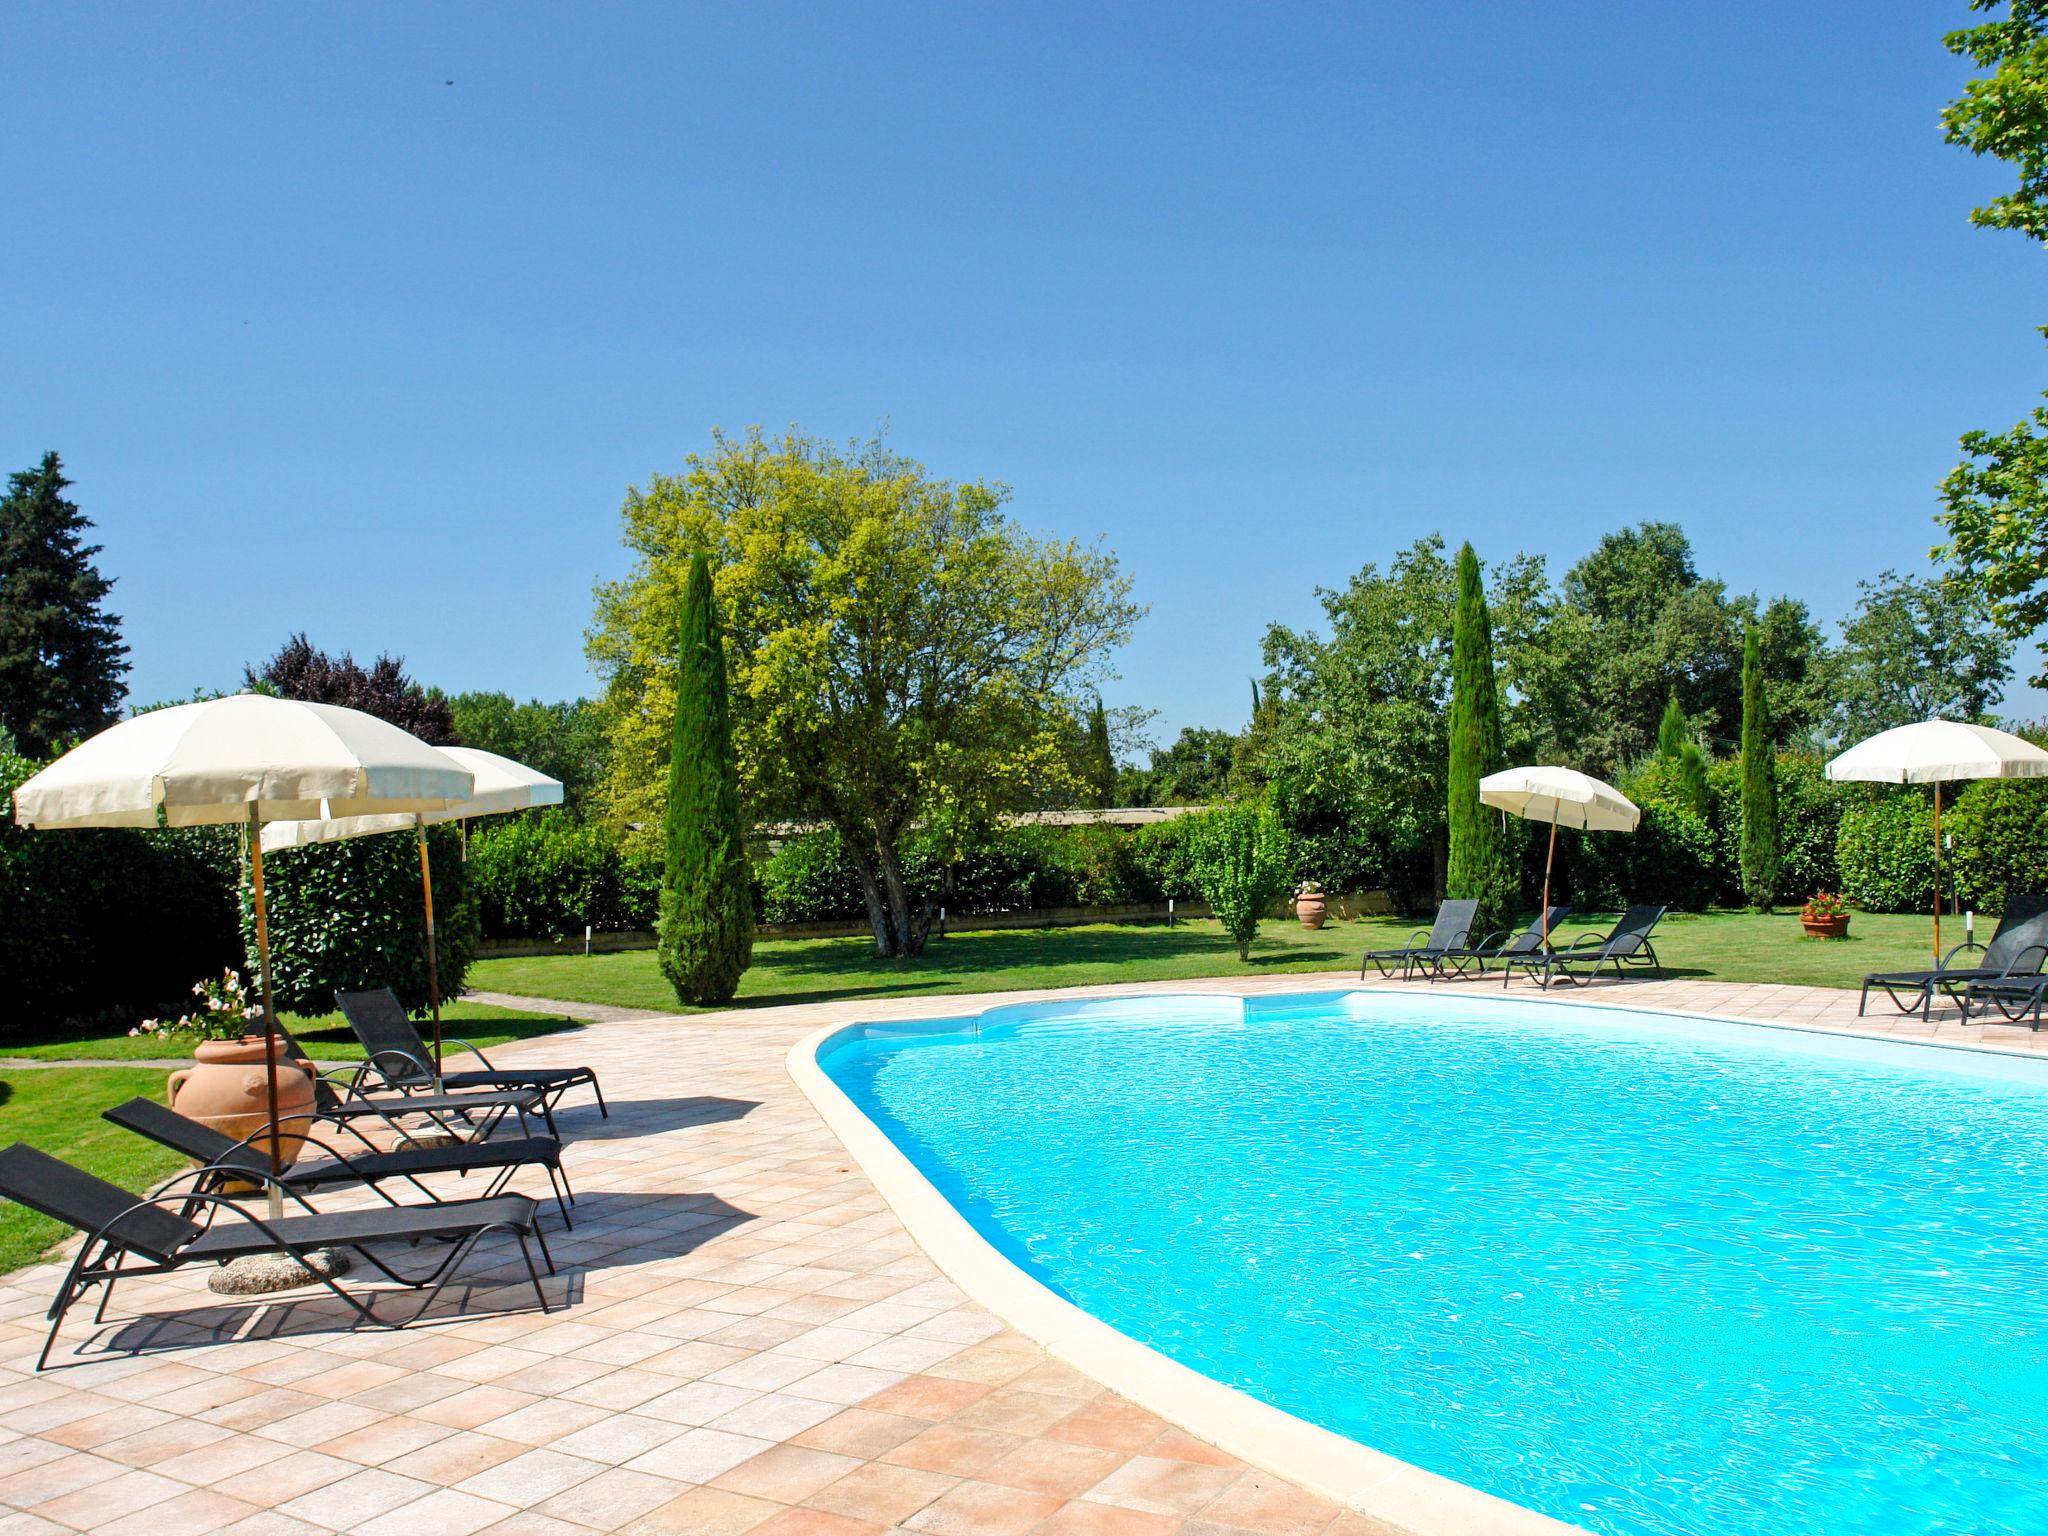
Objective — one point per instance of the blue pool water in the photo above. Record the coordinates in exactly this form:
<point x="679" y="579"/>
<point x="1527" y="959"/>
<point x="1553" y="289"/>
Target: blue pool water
<point x="1645" y="1275"/>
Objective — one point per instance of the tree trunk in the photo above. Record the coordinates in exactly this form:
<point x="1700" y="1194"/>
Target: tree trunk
<point x="909" y="934"/>
<point x="871" y="892"/>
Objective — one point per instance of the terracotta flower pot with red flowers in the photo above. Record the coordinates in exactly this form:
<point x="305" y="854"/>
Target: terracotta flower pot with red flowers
<point x="1825" y="916"/>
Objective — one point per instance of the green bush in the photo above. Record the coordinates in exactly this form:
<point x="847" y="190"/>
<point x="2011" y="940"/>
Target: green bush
<point x="2000" y="842"/>
<point x="1669" y="858"/>
<point x="1242" y="864"/>
<point x="1885" y="851"/>
<point x="809" y="879"/>
<point x="348" y="916"/>
<point x="108" y="925"/>
<point x="1164" y="859"/>
<point x="544" y="876"/>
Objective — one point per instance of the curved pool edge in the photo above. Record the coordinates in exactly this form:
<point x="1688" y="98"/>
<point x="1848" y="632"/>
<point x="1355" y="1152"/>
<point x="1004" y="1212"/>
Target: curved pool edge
<point x="1374" y="1484"/>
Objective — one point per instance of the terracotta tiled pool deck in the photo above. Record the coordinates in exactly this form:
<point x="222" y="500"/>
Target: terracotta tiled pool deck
<point x="749" y="1342"/>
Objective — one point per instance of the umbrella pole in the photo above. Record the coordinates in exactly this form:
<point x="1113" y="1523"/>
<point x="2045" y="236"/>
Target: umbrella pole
<point x="433" y="956"/>
<point x="1937" y="873"/>
<point x="269" y="1016"/>
<point x="1548" y="854"/>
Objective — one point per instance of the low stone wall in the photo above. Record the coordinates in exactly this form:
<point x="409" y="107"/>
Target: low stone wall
<point x="1341" y="907"/>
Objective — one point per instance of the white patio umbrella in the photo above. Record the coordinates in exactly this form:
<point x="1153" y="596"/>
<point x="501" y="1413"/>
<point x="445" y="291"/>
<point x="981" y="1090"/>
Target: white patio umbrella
<point x="501" y="786"/>
<point x="248" y="758"/>
<point x="1564" y="798"/>
<point x="1938" y="752"/>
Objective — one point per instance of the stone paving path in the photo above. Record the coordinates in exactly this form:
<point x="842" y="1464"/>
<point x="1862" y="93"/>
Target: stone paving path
<point x="748" y="1342"/>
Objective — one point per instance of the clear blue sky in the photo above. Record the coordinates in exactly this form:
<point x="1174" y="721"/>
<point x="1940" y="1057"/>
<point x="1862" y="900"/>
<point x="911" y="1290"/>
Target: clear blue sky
<point x="1254" y="293"/>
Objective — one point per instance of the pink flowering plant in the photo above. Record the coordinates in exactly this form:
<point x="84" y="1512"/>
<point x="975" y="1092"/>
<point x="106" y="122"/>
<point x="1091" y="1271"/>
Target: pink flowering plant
<point x="224" y="1012"/>
<point x="1822" y="905"/>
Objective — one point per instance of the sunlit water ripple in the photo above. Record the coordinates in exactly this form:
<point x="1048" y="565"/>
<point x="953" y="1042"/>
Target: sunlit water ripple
<point x="1646" y="1277"/>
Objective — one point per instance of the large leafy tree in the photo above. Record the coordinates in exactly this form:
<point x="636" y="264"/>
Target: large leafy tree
<point x="1098" y="760"/>
<point x="1480" y="862"/>
<point x="1916" y="649"/>
<point x="61" y="656"/>
<point x="707" y="909"/>
<point x="564" y="740"/>
<point x="1361" y="718"/>
<point x="900" y="651"/>
<point x="1635" y="624"/>
<point x="300" y="671"/>
<point x="1193" y="769"/>
<point x="1995" y="502"/>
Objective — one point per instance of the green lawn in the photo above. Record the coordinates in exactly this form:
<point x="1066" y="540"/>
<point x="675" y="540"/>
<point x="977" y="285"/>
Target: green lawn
<point x="1725" y="946"/>
<point x="327" y="1038"/>
<point x="58" y="1110"/>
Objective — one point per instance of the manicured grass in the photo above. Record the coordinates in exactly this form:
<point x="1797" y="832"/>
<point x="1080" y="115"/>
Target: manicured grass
<point x="1725" y="946"/>
<point x="326" y="1038"/>
<point x="58" y="1110"/>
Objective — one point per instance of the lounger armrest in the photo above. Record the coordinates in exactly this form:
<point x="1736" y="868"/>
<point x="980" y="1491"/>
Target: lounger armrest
<point x="469" y="1046"/>
<point x="1493" y="939"/>
<point x="309" y="1139"/>
<point x="1461" y="938"/>
<point x="1966" y="944"/>
<point x="1419" y="939"/>
<point x="2038" y="951"/>
<point x="1590" y="939"/>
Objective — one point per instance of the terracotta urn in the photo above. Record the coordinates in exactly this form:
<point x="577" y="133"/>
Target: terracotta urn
<point x="1825" y="927"/>
<point x="225" y="1089"/>
<point x="1311" y="910"/>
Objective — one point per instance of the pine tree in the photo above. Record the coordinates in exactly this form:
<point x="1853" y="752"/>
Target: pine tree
<point x="1101" y="760"/>
<point x="61" y="656"/>
<point x="707" y="918"/>
<point x="1481" y="864"/>
<point x="1759" y="785"/>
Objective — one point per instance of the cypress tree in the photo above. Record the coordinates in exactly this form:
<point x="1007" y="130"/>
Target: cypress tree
<point x="61" y="656"/>
<point x="1676" y="746"/>
<point x="1481" y="864"/>
<point x="1759" y="784"/>
<point x="707" y="918"/>
<point x="1101" y="760"/>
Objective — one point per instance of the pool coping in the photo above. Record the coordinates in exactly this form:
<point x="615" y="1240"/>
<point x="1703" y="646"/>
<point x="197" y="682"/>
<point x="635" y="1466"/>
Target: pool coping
<point x="1371" y="1482"/>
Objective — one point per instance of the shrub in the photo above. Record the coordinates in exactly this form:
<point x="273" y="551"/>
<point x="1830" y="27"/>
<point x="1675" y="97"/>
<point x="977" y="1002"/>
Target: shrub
<point x="1242" y="864"/>
<point x="1163" y="855"/>
<point x="108" y="924"/>
<point x="2000" y="847"/>
<point x="347" y="916"/>
<point x="1669" y="858"/>
<point x="809" y="879"/>
<point x="1886" y="853"/>
<point x="543" y="876"/>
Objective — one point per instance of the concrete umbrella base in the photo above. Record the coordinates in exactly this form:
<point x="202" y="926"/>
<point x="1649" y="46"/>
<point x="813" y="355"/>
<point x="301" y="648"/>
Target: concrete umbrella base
<point x="258" y="1274"/>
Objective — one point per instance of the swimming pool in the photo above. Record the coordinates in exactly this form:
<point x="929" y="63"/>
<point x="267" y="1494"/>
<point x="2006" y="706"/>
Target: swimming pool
<point x="1642" y="1273"/>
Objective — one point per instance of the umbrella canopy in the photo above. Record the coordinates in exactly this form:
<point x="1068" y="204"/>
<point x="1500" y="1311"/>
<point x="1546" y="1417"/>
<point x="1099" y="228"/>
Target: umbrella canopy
<point x="1937" y="752"/>
<point x="236" y="759"/>
<point x="247" y="758"/>
<point x="1561" y="797"/>
<point x="500" y="785"/>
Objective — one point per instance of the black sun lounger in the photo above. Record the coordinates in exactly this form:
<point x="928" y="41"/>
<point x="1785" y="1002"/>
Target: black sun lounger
<point x="338" y="1096"/>
<point x="237" y="1163"/>
<point x="2017" y="949"/>
<point x="1626" y="948"/>
<point x="401" y="1059"/>
<point x="1457" y="964"/>
<point x="1426" y="947"/>
<point x="126" y="1237"/>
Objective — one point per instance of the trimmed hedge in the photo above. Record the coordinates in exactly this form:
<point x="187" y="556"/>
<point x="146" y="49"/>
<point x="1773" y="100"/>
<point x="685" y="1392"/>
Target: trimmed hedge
<point x="546" y="875"/>
<point x="1886" y="853"/>
<point x="2000" y="849"/>
<point x="347" y="916"/>
<point x="108" y="925"/>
